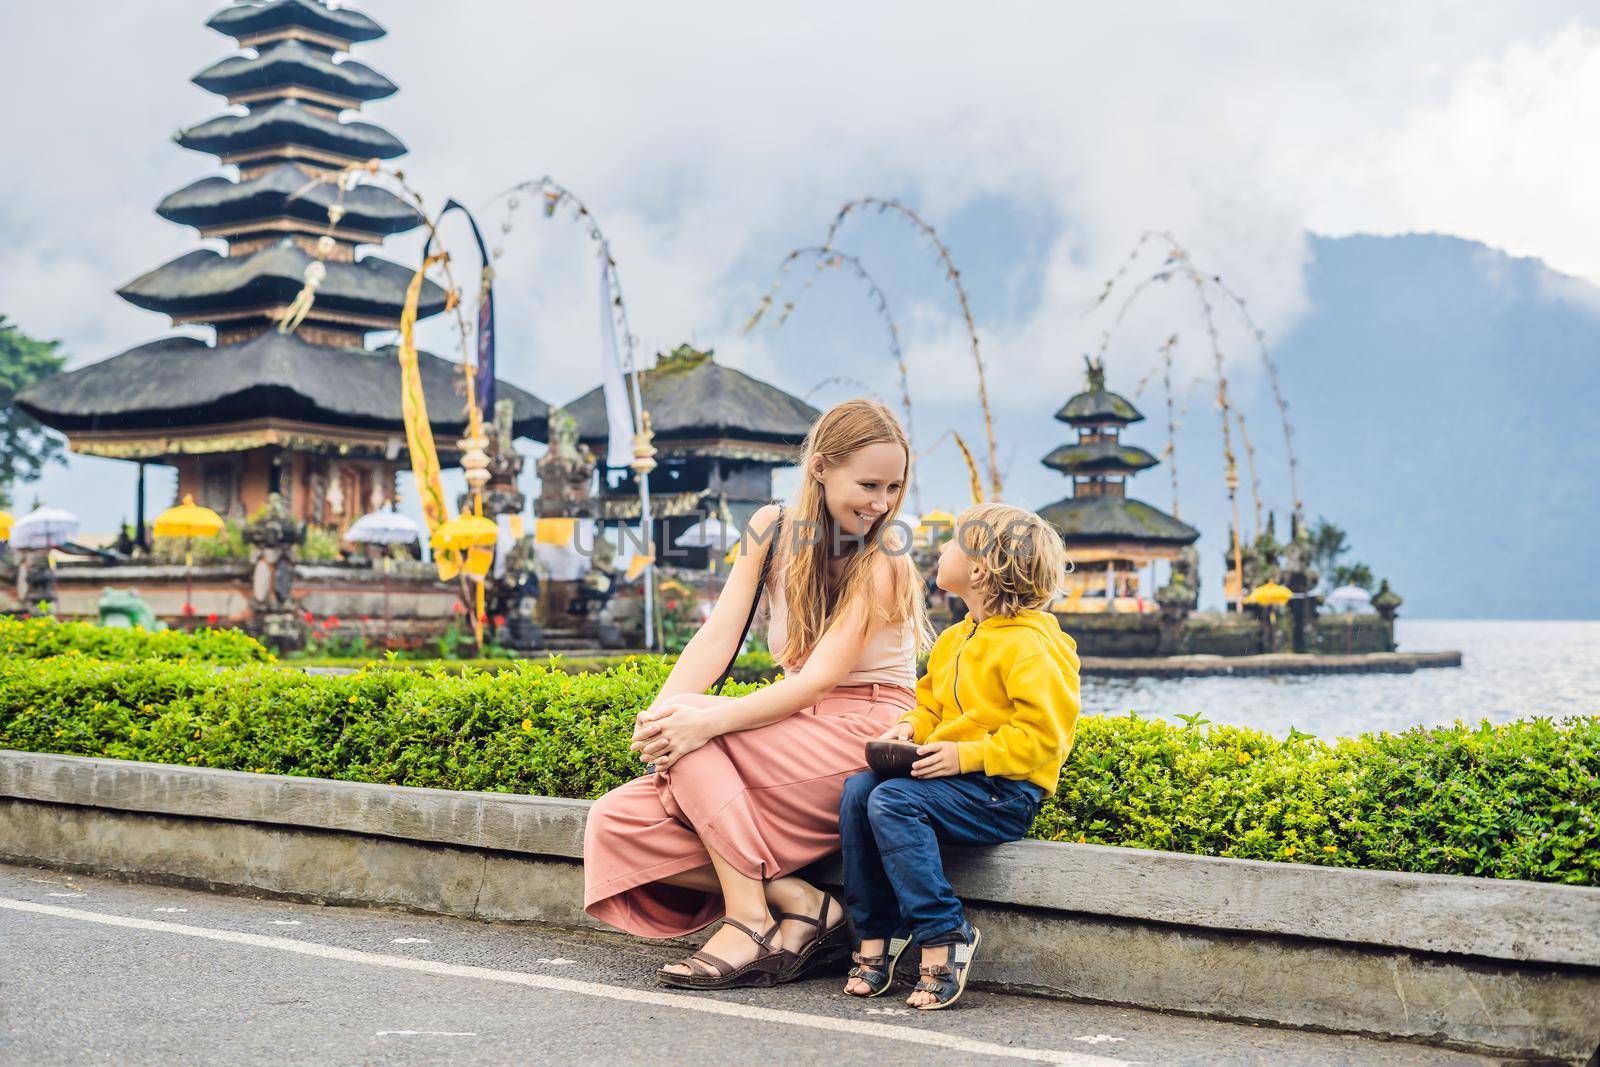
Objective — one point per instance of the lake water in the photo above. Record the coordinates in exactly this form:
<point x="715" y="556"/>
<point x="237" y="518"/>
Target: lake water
<point x="1509" y="670"/>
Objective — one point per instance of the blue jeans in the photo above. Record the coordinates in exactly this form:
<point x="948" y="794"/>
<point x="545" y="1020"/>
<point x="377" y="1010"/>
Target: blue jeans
<point x="891" y="830"/>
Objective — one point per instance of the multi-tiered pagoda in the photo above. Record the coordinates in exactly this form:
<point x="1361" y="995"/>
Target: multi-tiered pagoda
<point x="312" y="414"/>
<point x="1109" y="535"/>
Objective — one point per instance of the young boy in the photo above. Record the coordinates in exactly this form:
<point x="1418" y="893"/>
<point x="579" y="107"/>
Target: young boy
<point x="994" y="722"/>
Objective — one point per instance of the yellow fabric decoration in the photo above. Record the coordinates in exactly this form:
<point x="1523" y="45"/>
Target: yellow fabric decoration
<point x="419" y="434"/>
<point x="972" y="468"/>
<point x="555" y="531"/>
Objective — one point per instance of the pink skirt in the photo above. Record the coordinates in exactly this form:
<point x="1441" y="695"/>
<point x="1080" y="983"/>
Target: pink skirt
<point x="767" y="800"/>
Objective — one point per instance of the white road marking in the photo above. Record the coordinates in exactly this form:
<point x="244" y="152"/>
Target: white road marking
<point x="283" y="922"/>
<point x="66" y="894"/>
<point x="683" y="1002"/>
<point x="408" y="941"/>
<point x="1096" y="1039"/>
<point x="425" y="1033"/>
<point x="888" y="1011"/>
<point x="557" y="962"/>
<point x="171" y="909"/>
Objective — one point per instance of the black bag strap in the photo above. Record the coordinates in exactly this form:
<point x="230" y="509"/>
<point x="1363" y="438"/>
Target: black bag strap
<point x="761" y="584"/>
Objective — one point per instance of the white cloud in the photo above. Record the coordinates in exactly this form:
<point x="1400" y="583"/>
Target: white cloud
<point x="711" y="137"/>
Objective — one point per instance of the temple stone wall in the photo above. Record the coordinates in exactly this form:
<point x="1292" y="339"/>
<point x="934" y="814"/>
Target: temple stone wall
<point x="1219" y="634"/>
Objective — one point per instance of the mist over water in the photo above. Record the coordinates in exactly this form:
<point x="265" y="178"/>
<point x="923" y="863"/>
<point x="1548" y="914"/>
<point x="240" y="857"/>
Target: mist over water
<point x="1510" y="670"/>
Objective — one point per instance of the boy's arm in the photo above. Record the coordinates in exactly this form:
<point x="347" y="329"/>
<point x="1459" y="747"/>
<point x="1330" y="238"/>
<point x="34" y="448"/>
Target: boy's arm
<point x="1045" y="703"/>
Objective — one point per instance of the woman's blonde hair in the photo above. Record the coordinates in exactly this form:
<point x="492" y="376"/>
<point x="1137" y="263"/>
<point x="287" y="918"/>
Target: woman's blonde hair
<point x="1022" y="560"/>
<point x="835" y="439"/>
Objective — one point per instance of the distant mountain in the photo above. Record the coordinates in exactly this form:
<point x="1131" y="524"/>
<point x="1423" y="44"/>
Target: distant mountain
<point x="1446" y="399"/>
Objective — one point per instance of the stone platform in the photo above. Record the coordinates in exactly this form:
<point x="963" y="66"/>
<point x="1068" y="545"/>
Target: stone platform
<point x="1272" y="663"/>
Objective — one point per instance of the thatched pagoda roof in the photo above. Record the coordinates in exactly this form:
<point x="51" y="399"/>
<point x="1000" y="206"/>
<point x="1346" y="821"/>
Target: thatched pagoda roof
<point x="184" y="382"/>
<point x="1099" y="457"/>
<point x="294" y="63"/>
<point x="216" y="201"/>
<point x="251" y="19"/>
<point x="702" y="406"/>
<point x="288" y="123"/>
<point x="202" y="281"/>
<point x="1097" y="405"/>
<point x="1091" y="519"/>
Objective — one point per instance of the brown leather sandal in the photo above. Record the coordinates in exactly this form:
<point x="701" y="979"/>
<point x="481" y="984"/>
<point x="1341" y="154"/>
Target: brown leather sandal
<point x="709" y="972"/>
<point x="830" y="945"/>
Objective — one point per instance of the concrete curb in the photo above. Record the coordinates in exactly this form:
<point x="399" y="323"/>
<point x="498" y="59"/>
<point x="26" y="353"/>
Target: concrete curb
<point x="1479" y="963"/>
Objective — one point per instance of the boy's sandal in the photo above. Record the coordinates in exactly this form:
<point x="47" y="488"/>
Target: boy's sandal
<point x="709" y="972"/>
<point x="948" y="980"/>
<point x="828" y="946"/>
<point x="878" y="971"/>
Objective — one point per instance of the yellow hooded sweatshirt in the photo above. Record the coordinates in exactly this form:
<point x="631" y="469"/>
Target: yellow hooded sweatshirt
<point x="1005" y="690"/>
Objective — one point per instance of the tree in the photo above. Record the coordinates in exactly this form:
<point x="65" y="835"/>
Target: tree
<point x="1328" y="543"/>
<point x="26" y="446"/>
<point x="1358" y="574"/>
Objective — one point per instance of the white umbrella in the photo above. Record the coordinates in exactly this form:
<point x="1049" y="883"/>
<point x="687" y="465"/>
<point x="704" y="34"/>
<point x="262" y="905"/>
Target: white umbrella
<point x="384" y="528"/>
<point x="44" y="528"/>
<point x="709" y="533"/>
<point x="1349" y="600"/>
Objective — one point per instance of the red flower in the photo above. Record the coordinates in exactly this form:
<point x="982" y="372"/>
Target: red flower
<point x="499" y="620"/>
<point x="672" y="605"/>
<point x="211" y="620"/>
<point x="483" y="616"/>
<point x="459" y="608"/>
<point x="310" y="618"/>
<point x="333" y="622"/>
<point x="366" y="618"/>
<point x="188" y="609"/>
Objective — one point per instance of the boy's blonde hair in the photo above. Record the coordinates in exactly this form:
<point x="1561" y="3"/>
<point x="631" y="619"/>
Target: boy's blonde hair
<point x="1023" y="560"/>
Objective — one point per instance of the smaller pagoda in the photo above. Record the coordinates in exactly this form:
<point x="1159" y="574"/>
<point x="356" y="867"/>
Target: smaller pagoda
<point x="719" y="434"/>
<point x="1109" y="535"/>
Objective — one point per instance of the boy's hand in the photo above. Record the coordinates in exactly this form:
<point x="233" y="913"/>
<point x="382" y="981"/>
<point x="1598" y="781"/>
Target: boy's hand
<point x="939" y="760"/>
<point x="900" y="731"/>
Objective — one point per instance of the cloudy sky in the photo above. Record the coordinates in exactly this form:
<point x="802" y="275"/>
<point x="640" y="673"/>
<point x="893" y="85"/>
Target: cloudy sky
<point x="1042" y="138"/>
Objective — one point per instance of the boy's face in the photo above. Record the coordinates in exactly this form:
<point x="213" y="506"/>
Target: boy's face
<point x="958" y="573"/>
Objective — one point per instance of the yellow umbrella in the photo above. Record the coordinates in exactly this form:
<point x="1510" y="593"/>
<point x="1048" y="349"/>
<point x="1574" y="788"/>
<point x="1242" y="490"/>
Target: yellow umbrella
<point x="465" y="531"/>
<point x="5" y="525"/>
<point x="188" y="520"/>
<point x="1271" y="594"/>
<point x="932" y="522"/>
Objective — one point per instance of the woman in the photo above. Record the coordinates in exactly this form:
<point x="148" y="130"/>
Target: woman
<point x="746" y="789"/>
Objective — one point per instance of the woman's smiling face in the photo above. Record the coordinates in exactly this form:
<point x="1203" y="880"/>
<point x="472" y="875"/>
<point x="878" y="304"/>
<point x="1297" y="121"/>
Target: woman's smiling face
<point x="863" y="490"/>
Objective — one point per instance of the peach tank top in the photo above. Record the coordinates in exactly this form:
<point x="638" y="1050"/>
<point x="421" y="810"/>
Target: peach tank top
<point x="890" y="657"/>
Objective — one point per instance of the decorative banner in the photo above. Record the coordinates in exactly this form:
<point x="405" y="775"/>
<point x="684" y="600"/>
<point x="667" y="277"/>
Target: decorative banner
<point x="419" y="435"/>
<point x="619" y="413"/>
<point x="484" y="380"/>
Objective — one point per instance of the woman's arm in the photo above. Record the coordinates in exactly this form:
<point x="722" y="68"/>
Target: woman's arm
<point x="708" y="651"/>
<point x="670" y="731"/>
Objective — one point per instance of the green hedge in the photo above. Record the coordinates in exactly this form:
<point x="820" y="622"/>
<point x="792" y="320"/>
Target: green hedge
<point x="1510" y="801"/>
<point x="41" y="637"/>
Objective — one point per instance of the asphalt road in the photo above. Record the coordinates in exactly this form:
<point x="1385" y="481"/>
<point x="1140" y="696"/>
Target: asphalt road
<point x="99" y="971"/>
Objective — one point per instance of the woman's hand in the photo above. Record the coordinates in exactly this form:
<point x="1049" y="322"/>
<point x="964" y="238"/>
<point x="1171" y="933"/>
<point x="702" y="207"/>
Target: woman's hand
<point x="939" y="760"/>
<point x="668" y="733"/>
<point x="900" y="731"/>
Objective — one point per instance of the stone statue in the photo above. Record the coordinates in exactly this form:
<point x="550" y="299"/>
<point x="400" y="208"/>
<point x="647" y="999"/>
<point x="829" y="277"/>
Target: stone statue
<point x="565" y="472"/>
<point x="272" y="536"/>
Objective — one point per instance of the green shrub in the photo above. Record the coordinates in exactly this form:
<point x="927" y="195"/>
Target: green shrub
<point x="40" y="637"/>
<point x="1518" y="800"/>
